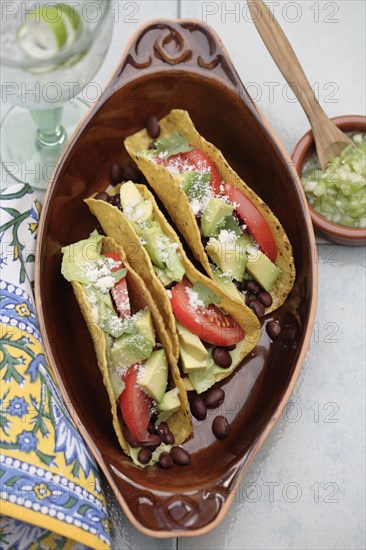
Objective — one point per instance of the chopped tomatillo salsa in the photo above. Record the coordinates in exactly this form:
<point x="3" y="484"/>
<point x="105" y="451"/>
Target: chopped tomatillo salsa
<point x="339" y="192"/>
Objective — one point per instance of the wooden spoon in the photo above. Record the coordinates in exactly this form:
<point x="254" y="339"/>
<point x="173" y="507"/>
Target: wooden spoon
<point x="329" y="140"/>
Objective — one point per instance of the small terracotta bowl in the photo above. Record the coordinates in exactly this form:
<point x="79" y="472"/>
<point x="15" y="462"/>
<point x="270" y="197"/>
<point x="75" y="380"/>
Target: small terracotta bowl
<point x="332" y="232"/>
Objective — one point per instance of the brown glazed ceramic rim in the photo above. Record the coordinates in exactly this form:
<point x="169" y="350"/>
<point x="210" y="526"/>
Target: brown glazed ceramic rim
<point x="307" y="330"/>
<point x="329" y="230"/>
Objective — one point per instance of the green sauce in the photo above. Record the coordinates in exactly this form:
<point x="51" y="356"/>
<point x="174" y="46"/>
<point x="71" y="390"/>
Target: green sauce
<point x="339" y="192"/>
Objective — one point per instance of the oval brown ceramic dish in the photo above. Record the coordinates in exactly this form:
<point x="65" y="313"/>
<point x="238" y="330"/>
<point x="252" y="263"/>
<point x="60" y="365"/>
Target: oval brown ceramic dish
<point x="338" y="234"/>
<point x="175" y="64"/>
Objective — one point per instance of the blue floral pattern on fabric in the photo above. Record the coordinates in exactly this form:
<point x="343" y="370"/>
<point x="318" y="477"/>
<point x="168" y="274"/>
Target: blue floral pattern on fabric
<point x="45" y="466"/>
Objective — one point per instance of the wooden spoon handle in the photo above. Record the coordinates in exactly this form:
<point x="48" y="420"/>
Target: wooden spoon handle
<point x="281" y="51"/>
<point x="329" y="140"/>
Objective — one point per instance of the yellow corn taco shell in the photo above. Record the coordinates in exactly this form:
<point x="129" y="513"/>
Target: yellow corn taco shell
<point x="176" y="202"/>
<point x="180" y="422"/>
<point x="115" y="224"/>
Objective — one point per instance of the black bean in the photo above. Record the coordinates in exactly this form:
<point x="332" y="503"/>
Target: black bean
<point x="249" y="298"/>
<point x="213" y="398"/>
<point x="131" y="440"/>
<point x="222" y="357"/>
<point x="180" y="456"/>
<point x="151" y="428"/>
<point x="253" y="287"/>
<point x="116" y="200"/>
<point x="163" y="429"/>
<point x="257" y="307"/>
<point x="144" y="456"/>
<point x="265" y="298"/>
<point x="273" y="329"/>
<point x="168" y="438"/>
<point x="165" y="461"/>
<point x="132" y="173"/>
<point x="220" y="427"/>
<point x="231" y="348"/>
<point x="241" y="286"/>
<point x="198" y="408"/>
<point x="116" y="174"/>
<point x="102" y="196"/>
<point x="153" y="127"/>
<point x="152" y="145"/>
<point x="152" y="442"/>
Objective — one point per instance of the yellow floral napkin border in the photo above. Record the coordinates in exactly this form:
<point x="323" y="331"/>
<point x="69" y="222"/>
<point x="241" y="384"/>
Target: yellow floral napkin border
<point x="49" y="482"/>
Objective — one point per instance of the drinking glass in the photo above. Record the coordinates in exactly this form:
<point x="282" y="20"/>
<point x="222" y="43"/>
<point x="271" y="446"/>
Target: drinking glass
<point x="49" y="52"/>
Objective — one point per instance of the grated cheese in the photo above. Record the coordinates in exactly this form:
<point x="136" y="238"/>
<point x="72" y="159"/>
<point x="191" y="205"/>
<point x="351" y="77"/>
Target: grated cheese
<point x="225" y="236"/>
<point x="99" y="273"/>
<point x="194" y="301"/>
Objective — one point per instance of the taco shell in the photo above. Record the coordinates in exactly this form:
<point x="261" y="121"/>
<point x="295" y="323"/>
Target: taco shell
<point x="180" y="423"/>
<point x="167" y="187"/>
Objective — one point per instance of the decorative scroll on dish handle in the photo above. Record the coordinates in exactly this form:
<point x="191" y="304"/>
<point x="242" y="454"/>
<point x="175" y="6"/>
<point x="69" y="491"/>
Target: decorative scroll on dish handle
<point x="178" y="45"/>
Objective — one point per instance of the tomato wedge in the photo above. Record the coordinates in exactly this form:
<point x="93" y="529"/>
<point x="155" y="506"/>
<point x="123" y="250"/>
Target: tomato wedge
<point x="257" y="225"/>
<point x="135" y="406"/>
<point x="208" y="323"/>
<point x="195" y="160"/>
<point x="120" y="291"/>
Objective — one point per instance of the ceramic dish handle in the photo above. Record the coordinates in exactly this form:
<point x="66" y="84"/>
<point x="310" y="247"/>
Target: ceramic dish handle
<point x="178" y="45"/>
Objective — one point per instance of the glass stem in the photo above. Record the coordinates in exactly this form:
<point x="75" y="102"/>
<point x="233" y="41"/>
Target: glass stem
<point x="50" y="132"/>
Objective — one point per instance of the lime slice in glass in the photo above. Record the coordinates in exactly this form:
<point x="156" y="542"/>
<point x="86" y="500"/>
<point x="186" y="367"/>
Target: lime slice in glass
<point x="73" y="22"/>
<point x="49" y="29"/>
<point x="43" y="34"/>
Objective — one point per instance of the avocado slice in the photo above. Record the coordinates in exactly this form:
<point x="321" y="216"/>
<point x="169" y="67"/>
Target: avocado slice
<point x="262" y="269"/>
<point x="174" y="267"/>
<point x="130" y="349"/>
<point x="230" y="224"/>
<point x="153" y="377"/>
<point x="194" y="184"/>
<point x="117" y="383"/>
<point x="189" y="363"/>
<point x="153" y="238"/>
<point x="191" y="343"/>
<point x="226" y="283"/>
<point x="163" y="276"/>
<point x="141" y="212"/>
<point x="228" y="252"/>
<point x="168" y="405"/>
<point x="130" y="195"/>
<point x="144" y="323"/>
<point x="213" y="215"/>
<point x="162" y="252"/>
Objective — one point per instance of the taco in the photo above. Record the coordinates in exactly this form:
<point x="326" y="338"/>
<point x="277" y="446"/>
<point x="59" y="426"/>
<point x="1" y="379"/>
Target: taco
<point x="132" y="347"/>
<point x="230" y="230"/>
<point x="210" y="333"/>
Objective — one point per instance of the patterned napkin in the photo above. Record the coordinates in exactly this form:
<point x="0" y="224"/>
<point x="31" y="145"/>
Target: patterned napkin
<point x="51" y="496"/>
